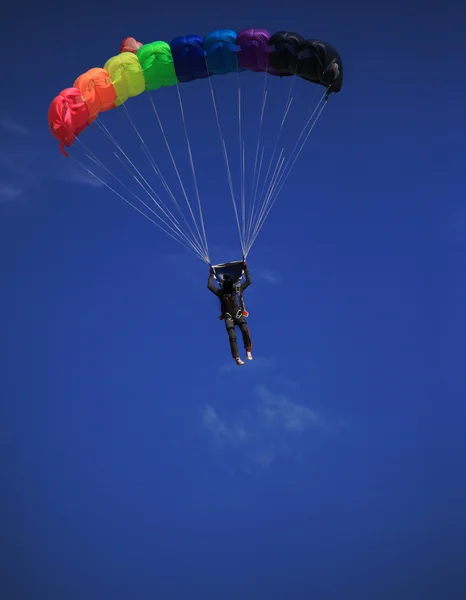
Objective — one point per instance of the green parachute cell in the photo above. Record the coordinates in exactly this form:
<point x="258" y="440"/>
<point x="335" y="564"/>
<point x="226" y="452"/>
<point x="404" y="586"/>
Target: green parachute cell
<point x="157" y="65"/>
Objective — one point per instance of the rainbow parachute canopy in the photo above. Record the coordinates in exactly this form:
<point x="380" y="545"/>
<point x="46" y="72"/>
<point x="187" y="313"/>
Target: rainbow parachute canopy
<point x="139" y="67"/>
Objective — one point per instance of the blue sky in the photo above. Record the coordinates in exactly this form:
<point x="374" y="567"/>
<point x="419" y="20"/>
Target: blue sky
<point x="137" y="460"/>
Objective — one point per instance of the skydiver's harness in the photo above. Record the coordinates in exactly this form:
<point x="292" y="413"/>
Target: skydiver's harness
<point x="240" y="312"/>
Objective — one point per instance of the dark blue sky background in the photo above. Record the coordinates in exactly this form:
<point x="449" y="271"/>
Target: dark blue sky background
<point x="137" y="460"/>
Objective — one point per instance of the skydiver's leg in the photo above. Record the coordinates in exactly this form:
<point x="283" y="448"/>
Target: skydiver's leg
<point x="230" y="327"/>
<point x="245" y="312"/>
<point x="243" y="325"/>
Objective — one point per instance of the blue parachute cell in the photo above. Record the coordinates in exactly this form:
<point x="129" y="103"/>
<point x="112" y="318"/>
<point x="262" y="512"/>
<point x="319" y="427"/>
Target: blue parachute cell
<point x="189" y="58"/>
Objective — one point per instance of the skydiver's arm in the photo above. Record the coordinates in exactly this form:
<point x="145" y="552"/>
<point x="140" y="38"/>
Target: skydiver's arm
<point x="211" y="285"/>
<point x="248" y="280"/>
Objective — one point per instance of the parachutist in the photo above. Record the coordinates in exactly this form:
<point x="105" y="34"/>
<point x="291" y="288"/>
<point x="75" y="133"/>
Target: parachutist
<point x="233" y="311"/>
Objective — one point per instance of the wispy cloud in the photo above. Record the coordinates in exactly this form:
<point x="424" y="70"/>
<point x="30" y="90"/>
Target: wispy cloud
<point x="14" y="127"/>
<point x="273" y="427"/>
<point x="83" y="178"/>
<point x="8" y="193"/>
<point x="264" y="455"/>
<point x="271" y="277"/>
<point x="232" y="433"/>
<point x="278" y="410"/>
<point x="20" y="165"/>
<point x="213" y="422"/>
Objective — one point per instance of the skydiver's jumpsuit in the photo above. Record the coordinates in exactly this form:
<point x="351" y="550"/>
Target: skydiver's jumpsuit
<point x="232" y="312"/>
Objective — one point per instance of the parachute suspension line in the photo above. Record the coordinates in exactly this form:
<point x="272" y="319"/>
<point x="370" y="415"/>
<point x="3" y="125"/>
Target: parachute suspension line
<point x="274" y="174"/>
<point x="176" y="169"/>
<point x="270" y="199"/>
<point x="91" y="156"/>
<point x="241" y="157"/>
<point x="173" y="235"/>
<point x="227" y="163"/>
<point x="154" y="197"/>
<point x="273" y="181"/>
<point x="153" y="163"/>
<point x="284" y="176"/>
<point x="260" y="206"/>
<point x="157" y="170"/>
<point x="169" y="216"/>
<point x="255" y="195"/>
<point x="254" y="185"/>
<point x="289" y="101"/>
<point x="137" y="209"/>
<point x="264" y="208"/>
<point x="273" y="195"/>
<point x="311" y="123"/>
<point x="160" y="175"/>
<point x="152" y="193"/>
<point x="193" y="171"/>
<point x="106" y="131"/>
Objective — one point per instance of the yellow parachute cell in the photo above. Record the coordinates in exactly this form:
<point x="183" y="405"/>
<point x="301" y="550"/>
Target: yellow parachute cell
<point x="127" y="77"/>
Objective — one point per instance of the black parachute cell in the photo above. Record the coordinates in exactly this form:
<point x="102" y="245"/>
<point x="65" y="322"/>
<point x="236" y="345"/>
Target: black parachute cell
<point x="319" y="62"/>
<point x="234" y="270"/>
<point x="284" y="48"/>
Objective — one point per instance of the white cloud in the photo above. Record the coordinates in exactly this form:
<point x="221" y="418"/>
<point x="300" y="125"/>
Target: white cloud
<point x="9" y="192"/>
<point x="235" y="433"/>
<point x="271" y="277"/>
<point x="20" y="164"/>
<point x="264" y="455"/>
<point x="265" y="431"/>
<point x="213" y="422"/>
<point x="82" y="179"/>
<point x="14" y="127"/>
<point x="280" y="410"/>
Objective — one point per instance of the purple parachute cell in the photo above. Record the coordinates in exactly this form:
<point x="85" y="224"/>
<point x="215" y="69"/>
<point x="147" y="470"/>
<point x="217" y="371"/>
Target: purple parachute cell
<point x="253" y="50"/>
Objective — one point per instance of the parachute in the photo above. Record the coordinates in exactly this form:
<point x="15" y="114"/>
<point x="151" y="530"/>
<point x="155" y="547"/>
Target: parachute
<point x="145" y="69"/>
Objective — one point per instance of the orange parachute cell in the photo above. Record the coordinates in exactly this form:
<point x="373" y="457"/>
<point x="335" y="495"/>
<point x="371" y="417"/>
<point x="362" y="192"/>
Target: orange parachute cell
<point x="68" y="115"/>
<point x="129" y="44"/>
<point x="97" y="90"/>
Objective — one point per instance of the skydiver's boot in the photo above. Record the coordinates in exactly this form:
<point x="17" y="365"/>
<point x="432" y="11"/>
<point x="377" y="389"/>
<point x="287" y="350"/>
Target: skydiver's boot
<point x="249" y="354"/>
<point x="239" y="361"/>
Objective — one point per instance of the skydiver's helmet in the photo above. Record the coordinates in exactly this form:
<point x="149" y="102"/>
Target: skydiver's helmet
<point x="227" y="285"/>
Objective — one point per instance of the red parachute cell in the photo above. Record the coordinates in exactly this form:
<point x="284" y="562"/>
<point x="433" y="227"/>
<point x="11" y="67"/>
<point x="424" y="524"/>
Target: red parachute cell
<point x="129" y="44"/>
<point x="68" y="115"/>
